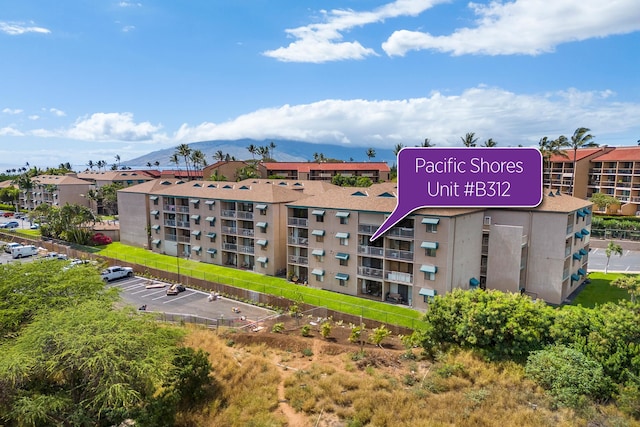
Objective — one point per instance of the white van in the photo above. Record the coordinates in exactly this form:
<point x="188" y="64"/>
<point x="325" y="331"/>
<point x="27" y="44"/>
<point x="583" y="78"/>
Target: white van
<point x="22" y="251"/>
<point x="9" y="246"/>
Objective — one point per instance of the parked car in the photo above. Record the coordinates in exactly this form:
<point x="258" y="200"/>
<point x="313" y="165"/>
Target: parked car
<point x="175" y="289"/>
<point x="10" y="224"/>
<point x="24" y="251"/>
<point x="9" y="246"/>
<point x="116" y="272"/>
<point x="34" y="226"/>
<point x="7" y="214"/>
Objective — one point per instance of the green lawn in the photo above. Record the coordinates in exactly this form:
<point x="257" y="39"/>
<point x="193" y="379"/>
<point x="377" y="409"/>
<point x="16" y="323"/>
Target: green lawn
<point x="599" y="291"/>
<point x="383" y="312"/>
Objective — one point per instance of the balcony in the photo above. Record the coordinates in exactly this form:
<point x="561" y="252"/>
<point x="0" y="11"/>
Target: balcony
<point x="245" y="249"/>
<point x="371" y="272"/>
<point x="244" y="215"/>
<point x="596" y="170"/>
<point x="170" y="223"/>
<point x="400" y="232"/>
<point x="184" y="239"/>
<point x="229" y="247"/>
<point x="299" y="241"/>
<point x="398" y="254"/>
<point x="367" y="229"/>
<point x="182" y="209"/>
<point x="611" y="171"/>
<point x="397" y="276"/>
<point x="624" y="184"/>
<point x="370" y="250"/>
<point x="245" y="232"/>
<point x="624" y="171"/>
<point x="183" y="224"/>
<point x="229" y="230"/>
<point x="171" y="238"/>
<point x="228" y="213"/>
<point x="297" y="222"/>
<point x="169" y="208"/>
<point x="296" y="259"/>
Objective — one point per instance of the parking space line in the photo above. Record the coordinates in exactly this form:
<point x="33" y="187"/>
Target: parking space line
<point x="139" y="292"/>
<point x="154" y="293"/>
<point x="180" y="297"/>
<point x="163" y="296"/>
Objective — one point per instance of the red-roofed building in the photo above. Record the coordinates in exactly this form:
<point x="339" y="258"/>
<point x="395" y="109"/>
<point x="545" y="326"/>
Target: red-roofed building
<point x="560" y="173"/>
<point x="617" y="173"/>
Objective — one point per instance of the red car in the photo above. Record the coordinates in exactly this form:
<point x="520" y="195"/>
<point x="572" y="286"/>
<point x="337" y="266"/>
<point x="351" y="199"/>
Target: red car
<point x="7" y="214"/>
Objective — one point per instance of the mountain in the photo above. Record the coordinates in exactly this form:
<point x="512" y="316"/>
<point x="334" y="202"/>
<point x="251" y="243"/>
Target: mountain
<point x="285" y="151"/>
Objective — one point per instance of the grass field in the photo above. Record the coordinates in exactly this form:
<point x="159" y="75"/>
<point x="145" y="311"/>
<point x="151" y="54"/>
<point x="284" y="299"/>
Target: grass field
<point x="600" y="291"/>
<point x="374" y="310"/>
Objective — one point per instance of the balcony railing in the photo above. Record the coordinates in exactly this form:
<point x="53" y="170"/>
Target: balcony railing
<point x="171" y="237"/>
<point x="398" y="254"/>
<point x="244" y="215"/>
<point x="229" y="247"/>
<point x="229" y="230"/>
<point x="300" y="241"/>
<point x="297" y="222"/>
<point x="245" y="231"/>
<point x="596" y="170"/>
<point x="227" y="213"/>
<point x="245" y="249"/>
<point x="400" y="232"/>
<point x="370" y="250"/>
<point x="397" y="276"/>
<point x="170" y="222"/>
<point x="370" y="272"/>
<point x="612" y="171"/>
<point x="184" y="239"/>
<point x="296" y="259"/>
<point x="624" y="171"/>
<point x="367" y="229"/>
<point x="182" y="209"/>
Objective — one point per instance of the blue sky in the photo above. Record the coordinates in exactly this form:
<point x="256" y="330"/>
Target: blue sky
<point x="89" y="80"/>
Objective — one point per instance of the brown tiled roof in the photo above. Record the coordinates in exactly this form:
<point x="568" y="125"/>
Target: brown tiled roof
<point x="559" y="203"/>
<point x="581" y="154"/>
<point x="255" y="192"/>
<point x="6" y="184"/>
<point x="620" y="154"/>
<point x="326" y="166"/>
<point x="308" y="187"/>
<point x="119" y="175"/>
<point x="58" y="180"/>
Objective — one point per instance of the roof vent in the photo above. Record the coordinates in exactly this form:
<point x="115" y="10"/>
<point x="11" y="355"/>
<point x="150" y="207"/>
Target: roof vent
<point x="551" y="194"/>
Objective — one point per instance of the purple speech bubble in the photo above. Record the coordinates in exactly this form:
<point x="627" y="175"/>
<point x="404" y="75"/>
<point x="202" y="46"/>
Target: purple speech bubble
<point x="465" y="178"/>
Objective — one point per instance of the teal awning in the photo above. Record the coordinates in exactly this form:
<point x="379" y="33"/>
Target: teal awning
<point x="318" y="272"/>
<point x="342" y="256"/>
<point x="342" y="235"/>
<point x="210" y="218"/>
<point x="156" y="241"/>
<point x="155" y="227"/>
<point x="342" y="276"/>
<point x="196" y="248"/>
<point x="575" y="277"/>
<point x="211" y="235"/>
<point x="261" y="225"/>
<point x="341" y="214"/>
<point x="474" y="282"/>
<point x="262" y="259"/>
<point x="318" y="232"/>
<point x="153" y="198"/>
<point x="577" y="256"/>
<point x="210" y="202"/>
<point x="155" y="212"/>
<point x="317" y="252"/>
<point x="578" y="234"/>
<point x="318" y="213"/>
<point x="585" y="232"/>
<point x="427" y="292"/>
<point x="196" y="232"/>
<point x="429" y="269"/>
<point x="430" y="220"/>
<point x="212" y="250"/>
<point x="582" y="272"/>
<point x="261" y="207"/>
<point x="580" y="213"/>
<point x="583" y="251"/>
<point x="261" y="242"/>
<point x="429" y="245"/>
<point x="586" y="210"/>
<point x="194" y="201"/>
<point x="196" y="217"/>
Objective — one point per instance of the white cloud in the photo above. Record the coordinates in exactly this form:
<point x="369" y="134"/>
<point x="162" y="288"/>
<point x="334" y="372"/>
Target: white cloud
<point x="56" y="112"/>
<point x="129" y="4"/>
<point x="12" y="111"/>
<point x="19" y="28"/>
<point x="10" y="131"/>
<point x="34" y="117"/>
<point x="105" y="127"/>
<point x="128" y="28"/>
<point x="322" y="42"/>
<point x="508" y="118"/>
<point x="529" y="27"/>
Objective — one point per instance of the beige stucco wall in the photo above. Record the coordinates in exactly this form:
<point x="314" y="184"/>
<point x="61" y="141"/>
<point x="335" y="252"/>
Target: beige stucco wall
<point x="505" y="252"/>
<point x="132" y="209"/>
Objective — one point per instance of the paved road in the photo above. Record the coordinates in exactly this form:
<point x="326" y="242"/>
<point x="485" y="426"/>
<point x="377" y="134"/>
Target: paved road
<point x="629" y="262"/>
<point x="134" y="292"/>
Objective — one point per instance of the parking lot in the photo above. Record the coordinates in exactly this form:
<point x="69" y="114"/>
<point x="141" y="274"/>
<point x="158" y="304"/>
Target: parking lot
<point x="139" y="291"/>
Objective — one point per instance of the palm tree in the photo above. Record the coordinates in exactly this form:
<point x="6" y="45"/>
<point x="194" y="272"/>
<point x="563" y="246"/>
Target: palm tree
<point x="156" y="163"/>
<point x="253" y="150"/>
<point x="25" y="184"/>
<point x="174" y="159"/>
<point x="185" y="151"/>
<point x="219" y="155"/>
<point x="427" y="143"/>
<point x="397" y="149"/>
<point x="90" y="164"/>
<point x="263" y="151"/>
<point x="101" y="164"/>
<point x="318" y="157"/>
<point x="469" y="140"/>
<point x="490" y="143"/>
<point x="198" y="159"/>
<point x="612" y="248"/>
<point x="272" y="147"/>
<point x="118" y="160"/>
<point x="371" y="153"/>
<point x="551" y="148"/>
<point x="581" y="138"/>
<point x="149" y="165"/>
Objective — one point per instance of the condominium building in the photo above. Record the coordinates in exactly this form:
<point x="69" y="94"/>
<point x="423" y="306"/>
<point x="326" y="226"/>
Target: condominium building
<point x="319" y="235"/>
<point x="235" y="224"/>
<point x="125" y="178"/>
<point x="617" y="173"/>
<point x="55" y="190"/>
<point x="558" y="173"/>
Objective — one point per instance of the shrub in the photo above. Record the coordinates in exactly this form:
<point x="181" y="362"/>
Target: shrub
<point x="326" y="330"/>
<point x="305" y="330"/>
<point x="278" y="328"/>
<point x="307" y="352"/>
<point x="378" y="335"/>
<point x="356" y="333"/>
<point x="568" y="375"/>
<point x="100" y="239"/>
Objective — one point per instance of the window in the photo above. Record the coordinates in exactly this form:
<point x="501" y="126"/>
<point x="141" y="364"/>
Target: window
<point x="196" y="219"/>
<point x="319" y="279"/>
<point x="344" y="262"/>
<point x="429" y="276"/>
<point x="344" y="220"/>
<point x="319" y="239"/>
<point x="344" y="241"/>
<point x="432" y="228"/>
<point x="319" y="218"/>
<point x="262" y="208"/>
<point x="431" y="224"/>
<point x="429" y="248"/>
<point x="430" y="252"/>
<point x="212" y="237"/>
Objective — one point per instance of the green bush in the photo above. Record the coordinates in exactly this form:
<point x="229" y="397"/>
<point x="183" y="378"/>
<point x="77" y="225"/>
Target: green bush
<point x="305" y="330"/>
<point x="568" y="375"/>
<point x="326" y="330"/>
<point x="278" y="328"/>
